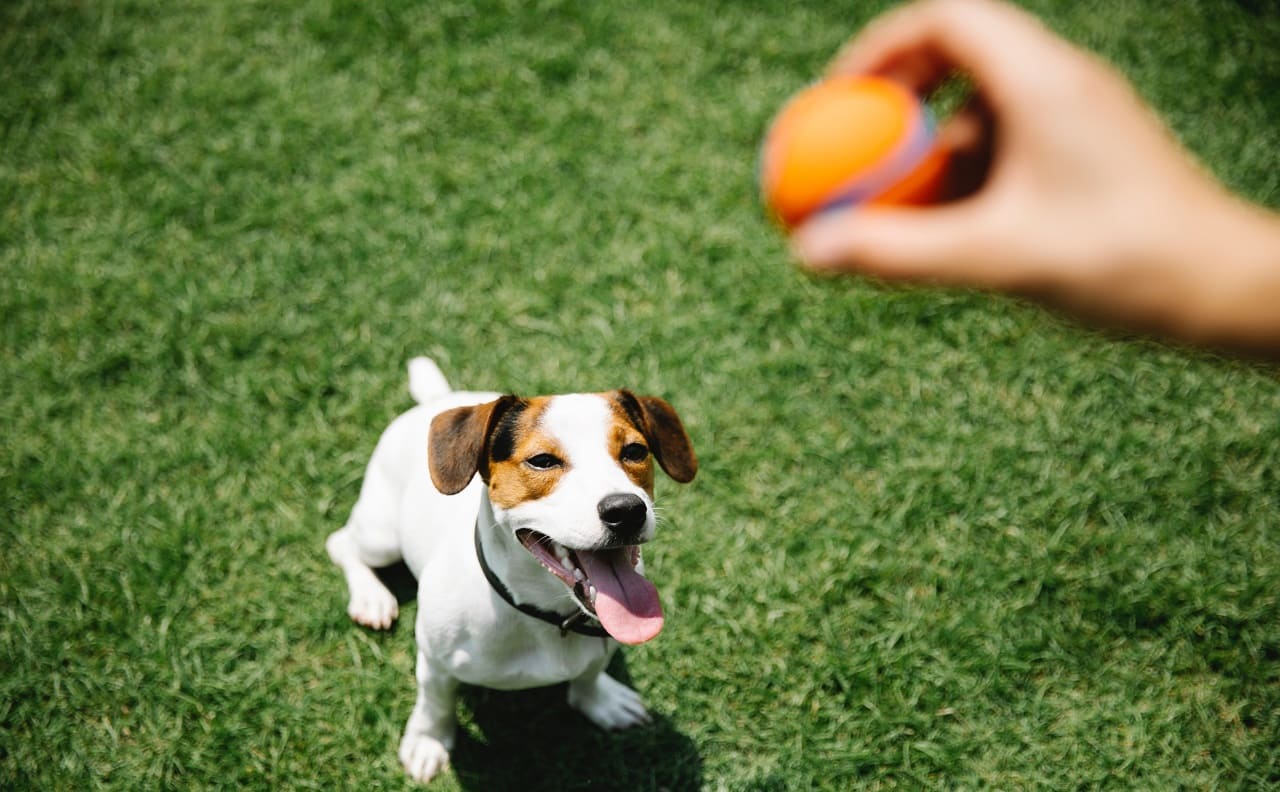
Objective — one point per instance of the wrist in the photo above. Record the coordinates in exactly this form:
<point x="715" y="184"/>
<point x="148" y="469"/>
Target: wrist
<point x="1201" y="267"/>
<point x="1228" y="259"/>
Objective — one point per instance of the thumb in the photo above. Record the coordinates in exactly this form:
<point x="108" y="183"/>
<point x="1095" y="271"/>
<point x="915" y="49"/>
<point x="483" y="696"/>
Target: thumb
<point x="940" y="245"/>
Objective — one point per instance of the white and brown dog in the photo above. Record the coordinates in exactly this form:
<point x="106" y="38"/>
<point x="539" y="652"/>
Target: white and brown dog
<point x="522" y="521"/>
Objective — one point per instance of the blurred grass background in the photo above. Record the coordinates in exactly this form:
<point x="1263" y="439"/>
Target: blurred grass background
<point x="937" y="541"/>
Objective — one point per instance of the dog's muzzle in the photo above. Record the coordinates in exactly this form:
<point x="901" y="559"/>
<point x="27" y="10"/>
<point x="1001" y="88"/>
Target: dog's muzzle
<point x="606" y="584"/>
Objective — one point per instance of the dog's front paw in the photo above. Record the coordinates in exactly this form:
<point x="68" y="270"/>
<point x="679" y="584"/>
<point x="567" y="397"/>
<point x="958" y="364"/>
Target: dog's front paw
<point x="423" y="756"/>
<point x="373" y="606"/>
<point x="608" y="703"/>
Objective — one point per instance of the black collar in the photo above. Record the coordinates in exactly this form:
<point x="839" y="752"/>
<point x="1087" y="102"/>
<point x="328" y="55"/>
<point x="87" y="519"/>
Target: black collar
<point x="577" y="622"/>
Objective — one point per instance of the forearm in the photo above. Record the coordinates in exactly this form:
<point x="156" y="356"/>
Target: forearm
<point x="1208" y="276"/>
<point x="1230" y="264"/>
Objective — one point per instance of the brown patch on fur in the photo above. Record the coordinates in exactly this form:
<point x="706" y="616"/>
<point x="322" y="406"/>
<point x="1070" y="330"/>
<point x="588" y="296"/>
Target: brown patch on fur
<point x="623" y="433"/>
<point x="511" y="480"/>
<point x="458" y="442"/>
<point x="662" y="428"/>
<point x="644" y="420"/>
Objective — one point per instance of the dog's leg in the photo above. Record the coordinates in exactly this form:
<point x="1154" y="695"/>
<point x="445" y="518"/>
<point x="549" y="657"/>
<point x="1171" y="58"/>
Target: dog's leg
<point x="370" y="539"/>
<point x="428" y="736"/>
<point x="605" y="701"/>
<point x="370" y="603"/>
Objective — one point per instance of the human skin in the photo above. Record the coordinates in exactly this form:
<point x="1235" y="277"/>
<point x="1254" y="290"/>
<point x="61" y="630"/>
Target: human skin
<point x="1069" y="189"/>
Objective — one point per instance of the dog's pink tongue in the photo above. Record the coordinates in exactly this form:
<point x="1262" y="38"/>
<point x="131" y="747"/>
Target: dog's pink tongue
<point x="626" y="603"/>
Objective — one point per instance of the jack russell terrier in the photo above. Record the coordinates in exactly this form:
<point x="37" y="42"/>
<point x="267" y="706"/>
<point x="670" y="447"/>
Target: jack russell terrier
<point x="522" y="521"/>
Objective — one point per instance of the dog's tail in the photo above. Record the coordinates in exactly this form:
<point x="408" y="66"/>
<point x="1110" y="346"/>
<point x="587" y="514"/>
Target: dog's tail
<point x="426" y="381"/>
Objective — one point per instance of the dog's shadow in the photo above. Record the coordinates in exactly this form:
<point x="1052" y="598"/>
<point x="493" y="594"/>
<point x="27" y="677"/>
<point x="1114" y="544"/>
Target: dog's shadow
<point x="531" y="740"/>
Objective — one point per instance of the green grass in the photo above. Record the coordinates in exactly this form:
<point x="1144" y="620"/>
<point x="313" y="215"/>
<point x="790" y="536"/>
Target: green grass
<point x="937" y="541"/>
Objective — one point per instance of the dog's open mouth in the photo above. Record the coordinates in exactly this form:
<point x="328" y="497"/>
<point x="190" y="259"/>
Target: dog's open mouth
<point x="605" y="583"/>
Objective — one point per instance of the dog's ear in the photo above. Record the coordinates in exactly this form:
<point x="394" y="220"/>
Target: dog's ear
<point x="665" y="433"/>
<point x="459" y="443"/>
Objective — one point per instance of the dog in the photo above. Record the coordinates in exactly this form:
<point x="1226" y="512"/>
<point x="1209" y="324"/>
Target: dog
<point x="522" y="520"/>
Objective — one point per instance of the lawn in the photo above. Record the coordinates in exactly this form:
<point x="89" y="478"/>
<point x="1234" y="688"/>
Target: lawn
<point x="938" y="540"/>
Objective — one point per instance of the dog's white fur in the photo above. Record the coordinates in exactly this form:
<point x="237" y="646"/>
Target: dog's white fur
<point x="465" y="632"/>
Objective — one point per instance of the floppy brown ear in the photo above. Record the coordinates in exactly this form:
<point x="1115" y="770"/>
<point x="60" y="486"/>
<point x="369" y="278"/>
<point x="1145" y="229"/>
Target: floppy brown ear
<point x="458" y="443"/>
<point x="665" y="433"/>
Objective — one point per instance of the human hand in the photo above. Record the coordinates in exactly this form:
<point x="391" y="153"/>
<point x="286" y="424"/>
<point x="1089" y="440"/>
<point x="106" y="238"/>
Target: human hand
<point x="1079" y="197"/>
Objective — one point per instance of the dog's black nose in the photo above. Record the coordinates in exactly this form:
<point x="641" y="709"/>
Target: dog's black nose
<point x="623" y="514"/>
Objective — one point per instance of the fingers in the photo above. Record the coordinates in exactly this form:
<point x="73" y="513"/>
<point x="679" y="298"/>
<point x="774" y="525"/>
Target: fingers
<point x="920" y="44"/>
<point x="944" y="245"/>
<point x="972" y="241"/>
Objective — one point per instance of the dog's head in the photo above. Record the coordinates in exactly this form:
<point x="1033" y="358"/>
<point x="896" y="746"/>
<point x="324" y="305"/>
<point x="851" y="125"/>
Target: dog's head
<point x="571" y="477"/>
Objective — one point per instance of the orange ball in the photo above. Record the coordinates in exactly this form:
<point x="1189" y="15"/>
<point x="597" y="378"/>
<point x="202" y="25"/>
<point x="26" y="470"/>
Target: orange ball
<point x="849" y="141"/>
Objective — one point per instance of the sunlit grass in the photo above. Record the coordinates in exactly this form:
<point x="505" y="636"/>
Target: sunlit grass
<point x="937" y="540"/>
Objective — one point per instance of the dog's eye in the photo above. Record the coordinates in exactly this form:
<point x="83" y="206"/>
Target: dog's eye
<point x="634" y="452"/>
<point x="543" y="462"/>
